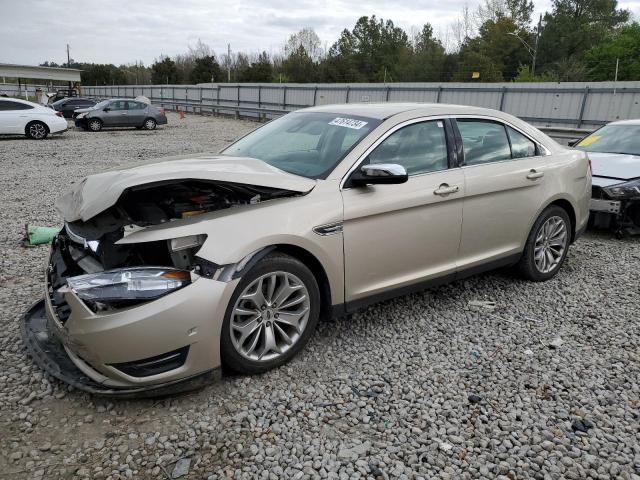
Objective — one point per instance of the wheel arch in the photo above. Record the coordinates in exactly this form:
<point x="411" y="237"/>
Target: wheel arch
<point x="570" y="209"/>
<point x="318" y="271"/>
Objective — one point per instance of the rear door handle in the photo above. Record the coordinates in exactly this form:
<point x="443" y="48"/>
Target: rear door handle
<point x="444" y="189"/>
<point x="533" y="175"/>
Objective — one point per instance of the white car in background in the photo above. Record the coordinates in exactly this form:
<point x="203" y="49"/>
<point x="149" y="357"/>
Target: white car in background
<point x="20" y="117"/>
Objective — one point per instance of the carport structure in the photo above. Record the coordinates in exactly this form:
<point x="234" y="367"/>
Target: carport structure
<point x="48" y="74"/>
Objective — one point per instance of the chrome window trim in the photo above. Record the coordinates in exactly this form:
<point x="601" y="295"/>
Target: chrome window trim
<point x="544" y="150"/>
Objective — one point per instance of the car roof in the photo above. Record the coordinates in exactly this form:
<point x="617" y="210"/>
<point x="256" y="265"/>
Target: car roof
<point x="631" y="121"/>
<point x="383" y="111"/>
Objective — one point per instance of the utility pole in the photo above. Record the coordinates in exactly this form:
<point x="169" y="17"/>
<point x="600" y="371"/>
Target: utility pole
<point x="228" y="63"/>
<point x="68" y="62"/>
<point x="615" y="79"/>
<point x="535" y="50"/>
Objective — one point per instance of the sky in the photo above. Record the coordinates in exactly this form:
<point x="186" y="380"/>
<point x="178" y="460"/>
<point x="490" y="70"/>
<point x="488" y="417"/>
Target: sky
<point x="126" y="31"/>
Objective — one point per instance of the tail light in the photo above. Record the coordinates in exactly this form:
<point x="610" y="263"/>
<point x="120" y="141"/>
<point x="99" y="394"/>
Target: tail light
<point x="59" y="114"/>
<point x="162" y="111"/>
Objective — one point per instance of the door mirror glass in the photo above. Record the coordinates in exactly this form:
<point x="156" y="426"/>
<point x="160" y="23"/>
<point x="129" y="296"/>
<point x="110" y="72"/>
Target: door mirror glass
<point x="106" y="109"/>
<point x="380" y="174"/>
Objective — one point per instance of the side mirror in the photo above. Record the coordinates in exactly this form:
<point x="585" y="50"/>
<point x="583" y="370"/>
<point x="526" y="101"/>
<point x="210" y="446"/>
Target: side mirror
<point x="573" y="143"/>
<point x="379" y="174"/>
<point x="106" y="109"/>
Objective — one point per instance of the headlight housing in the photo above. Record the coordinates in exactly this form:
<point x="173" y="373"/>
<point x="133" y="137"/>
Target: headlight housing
<point x="128" y="286"/>
<point x="624" y="190"/>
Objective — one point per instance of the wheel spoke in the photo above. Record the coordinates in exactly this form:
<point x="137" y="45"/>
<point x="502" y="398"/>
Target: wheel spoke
<point x="269" y="342"/>
<point x="290" y="303"/>
<point x="247" y="329"/>
<point x="282" y="334"/>
<point x="291" y="319"/>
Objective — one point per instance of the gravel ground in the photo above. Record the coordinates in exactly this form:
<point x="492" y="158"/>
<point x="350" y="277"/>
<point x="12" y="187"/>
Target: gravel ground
<point x="490" y="377"/>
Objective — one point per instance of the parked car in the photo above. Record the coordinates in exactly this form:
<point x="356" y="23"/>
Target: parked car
<point x="20" y="117"/>
<point x="165" y="272"/>
<point x="70" y="104"/>
<point x="614" y="151"/>
<point x="120" y="112"/>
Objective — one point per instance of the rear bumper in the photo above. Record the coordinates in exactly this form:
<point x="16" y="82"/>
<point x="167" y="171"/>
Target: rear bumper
<point x="51" y="355"/>
<point x="161" y="120"/>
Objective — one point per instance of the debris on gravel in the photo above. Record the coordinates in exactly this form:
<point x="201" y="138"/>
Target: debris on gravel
<point x="384" y="393"/>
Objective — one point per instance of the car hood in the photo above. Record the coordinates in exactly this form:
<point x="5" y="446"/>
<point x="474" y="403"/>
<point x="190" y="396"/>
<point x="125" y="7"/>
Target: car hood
<point x="614" y="167"/>
<point x="96" y="193"/>
<point x="83" y="110"/>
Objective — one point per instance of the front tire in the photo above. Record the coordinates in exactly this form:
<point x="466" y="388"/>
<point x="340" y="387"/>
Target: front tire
<point x="36" y="130"/>
<point x="547" y="245"/>
<point x="94" y="124"/>
<point x="271" y="315"/>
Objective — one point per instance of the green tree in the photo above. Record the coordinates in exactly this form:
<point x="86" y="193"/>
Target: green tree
<point x="206" y="69"/>
<point x="164" y="71"/>
<point x="573" y="28"/>
<point x="373" y="49"/>
<point x="299" y="66"/>
<point x="261" y="69"/>
<point x="623" y="45"/>
<point x="524" y="75"/>
<point x="426" y="62"/>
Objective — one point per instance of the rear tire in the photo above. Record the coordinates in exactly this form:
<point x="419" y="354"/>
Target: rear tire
<point x="150" y="124"/>
<point x="94" y="124"/>
<point x="36" y="130"/>
<point x="547" y="245"/>
<point x="262" y="314"/>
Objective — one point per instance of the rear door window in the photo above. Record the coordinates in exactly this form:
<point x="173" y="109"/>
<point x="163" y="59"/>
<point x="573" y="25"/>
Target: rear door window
<point x="483" y="141"/>
<point x="136" y="106"/>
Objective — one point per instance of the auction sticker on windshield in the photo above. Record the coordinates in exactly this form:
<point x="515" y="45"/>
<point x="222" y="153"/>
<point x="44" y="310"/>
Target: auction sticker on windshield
<point x="348" y="122"/>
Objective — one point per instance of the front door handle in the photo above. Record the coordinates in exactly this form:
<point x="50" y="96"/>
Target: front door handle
<point x="533" y="175"/>
<point x="444" y="189"/>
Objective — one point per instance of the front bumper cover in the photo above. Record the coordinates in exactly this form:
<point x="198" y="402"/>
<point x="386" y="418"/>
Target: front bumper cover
<point x="51" y="356"/>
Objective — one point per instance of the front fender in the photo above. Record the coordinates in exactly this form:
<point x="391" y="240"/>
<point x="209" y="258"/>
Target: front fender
<point x="232" y="234"/>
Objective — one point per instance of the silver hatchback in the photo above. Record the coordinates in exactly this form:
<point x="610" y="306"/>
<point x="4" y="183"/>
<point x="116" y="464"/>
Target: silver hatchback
<point x="121" y="112"/>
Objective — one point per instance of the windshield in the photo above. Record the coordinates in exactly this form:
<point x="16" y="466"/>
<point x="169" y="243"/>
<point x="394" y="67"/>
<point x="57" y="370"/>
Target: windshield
<point x="306" y="144"/>
<point x="613" y="139"/>
<point x="102" y="104"/>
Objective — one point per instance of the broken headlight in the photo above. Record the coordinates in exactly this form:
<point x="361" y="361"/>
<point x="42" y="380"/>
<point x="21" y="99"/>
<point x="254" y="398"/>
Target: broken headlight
<point x="128" y="285"/>
<point x="624" y="190"/>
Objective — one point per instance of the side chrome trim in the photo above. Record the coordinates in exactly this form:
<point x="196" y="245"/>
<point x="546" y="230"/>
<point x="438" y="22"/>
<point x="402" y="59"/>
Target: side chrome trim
<point x="329" y="229"/>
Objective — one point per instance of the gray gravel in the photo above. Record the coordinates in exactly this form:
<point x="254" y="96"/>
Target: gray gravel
<point x="490" y="377"/>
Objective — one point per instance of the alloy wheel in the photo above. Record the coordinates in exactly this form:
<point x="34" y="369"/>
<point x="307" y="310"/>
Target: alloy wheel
<point x="150" y="124"/>
<point x="95" y="125"/>
<point x="37" y="131"/>
<point x="270" y="316"/>
<point x="551" y="242"/>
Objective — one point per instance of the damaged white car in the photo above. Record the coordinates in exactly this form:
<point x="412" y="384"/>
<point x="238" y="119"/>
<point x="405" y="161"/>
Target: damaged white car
<point x="614" y="151"/>
<point x="166" y="272"/>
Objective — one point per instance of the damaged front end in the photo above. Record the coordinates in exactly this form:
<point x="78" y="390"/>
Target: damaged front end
<point x="616" y="206"/>
<point x="131" y="319"/>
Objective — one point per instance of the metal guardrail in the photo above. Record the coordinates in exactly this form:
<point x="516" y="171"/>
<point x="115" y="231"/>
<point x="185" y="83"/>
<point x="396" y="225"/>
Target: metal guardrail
<point x="574" y="105"/>
<point x="260" y="113"/>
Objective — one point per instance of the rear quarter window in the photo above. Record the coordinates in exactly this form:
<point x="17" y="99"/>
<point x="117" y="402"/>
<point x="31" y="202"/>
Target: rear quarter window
<point x="8" y="105"/>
